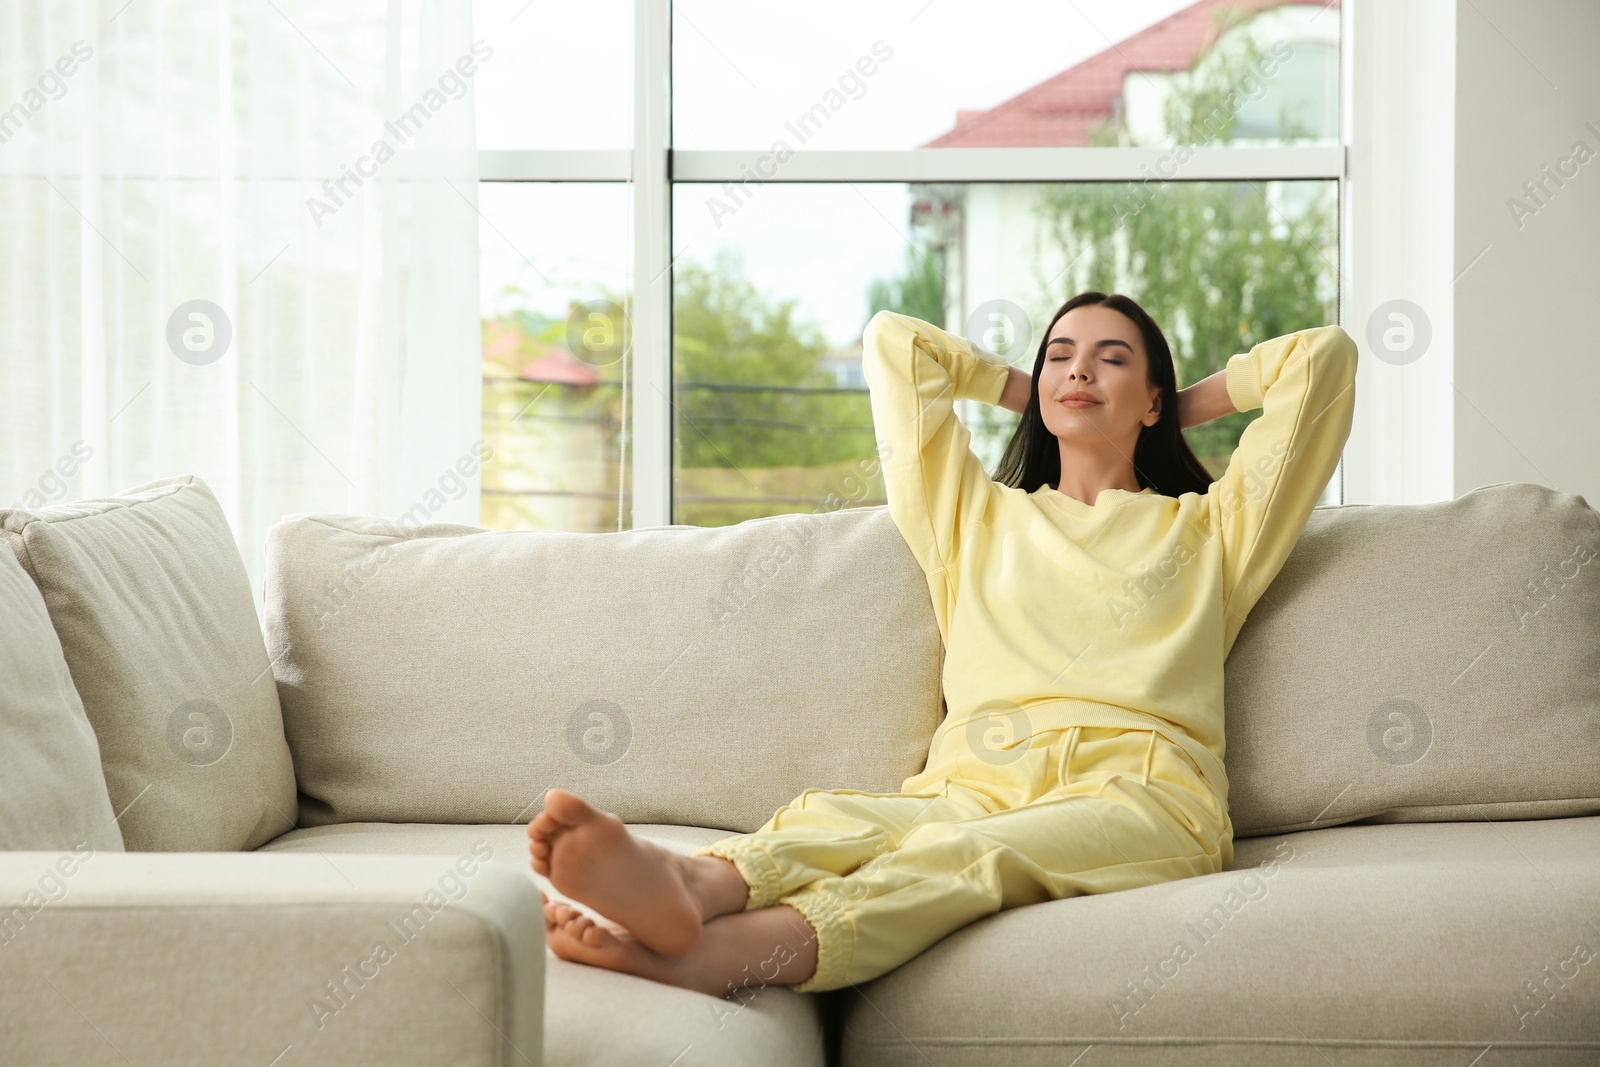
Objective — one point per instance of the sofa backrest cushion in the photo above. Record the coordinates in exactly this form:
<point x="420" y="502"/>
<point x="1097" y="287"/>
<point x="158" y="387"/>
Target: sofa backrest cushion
<point x="52" y="791"/>
<point x="147" y="592"/>
<point x="675" y="674"/>
<point x="1423" y="662"/>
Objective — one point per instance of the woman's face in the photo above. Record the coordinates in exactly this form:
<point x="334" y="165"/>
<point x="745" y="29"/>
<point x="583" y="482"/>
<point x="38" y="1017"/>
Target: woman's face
<point x="1097" y="350"/>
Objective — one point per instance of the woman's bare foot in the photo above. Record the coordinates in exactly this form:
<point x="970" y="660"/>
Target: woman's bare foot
<point x="739" y="951"/>
<point x="662" y="898"/>
<point x="574" y="936"/>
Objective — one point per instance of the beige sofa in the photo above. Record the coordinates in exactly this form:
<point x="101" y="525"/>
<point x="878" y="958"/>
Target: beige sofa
<point x="304" y="842"/>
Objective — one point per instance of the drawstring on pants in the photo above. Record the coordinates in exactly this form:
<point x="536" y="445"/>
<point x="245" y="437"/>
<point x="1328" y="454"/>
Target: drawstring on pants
<point x="1064" y="763"/>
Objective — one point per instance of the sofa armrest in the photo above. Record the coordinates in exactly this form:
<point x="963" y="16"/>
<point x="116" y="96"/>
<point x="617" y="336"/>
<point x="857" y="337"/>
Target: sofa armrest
<point x="280" y="959"/>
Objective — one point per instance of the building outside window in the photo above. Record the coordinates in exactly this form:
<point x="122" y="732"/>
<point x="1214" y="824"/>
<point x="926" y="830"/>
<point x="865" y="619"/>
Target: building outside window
<point x="1187" y="154"/>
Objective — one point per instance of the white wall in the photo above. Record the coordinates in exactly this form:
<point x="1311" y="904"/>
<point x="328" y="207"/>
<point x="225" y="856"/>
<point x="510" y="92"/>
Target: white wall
<point x="1527" y="365"/>
<point x="1457" y="104"/>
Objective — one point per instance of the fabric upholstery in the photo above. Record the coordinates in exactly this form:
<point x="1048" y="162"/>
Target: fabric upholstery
<point x="759" y="1024"/>
<point x="238" y="958"/>
<point x="147" y="592"/>
<point x="680" y="674"/>
<point x="1366" y="946"/>
<point x="411" y="653"/>
<point x="52" y="792"/>
<point x="1423" y="662"/>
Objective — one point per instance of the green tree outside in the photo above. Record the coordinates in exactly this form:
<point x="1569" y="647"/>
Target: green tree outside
<point x="1216" y="264"/>
<point x="760" y="425"/>
<point x="761" y="428"/>
<point x="918" y="291"/>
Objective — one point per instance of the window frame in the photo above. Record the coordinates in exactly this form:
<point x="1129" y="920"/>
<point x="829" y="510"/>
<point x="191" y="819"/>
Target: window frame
<point x="653" y="168"/>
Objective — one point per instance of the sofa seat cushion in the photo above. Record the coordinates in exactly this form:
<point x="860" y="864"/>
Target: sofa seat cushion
<point x="583" y="1004"/>
<point x="1395" y="943"/>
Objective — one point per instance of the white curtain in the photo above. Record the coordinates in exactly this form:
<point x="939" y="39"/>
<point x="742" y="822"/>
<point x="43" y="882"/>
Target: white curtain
<point x="239" y="240"/>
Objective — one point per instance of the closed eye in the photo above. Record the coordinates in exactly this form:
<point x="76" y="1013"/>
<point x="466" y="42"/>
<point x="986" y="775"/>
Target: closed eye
<point x="1118" y="362"/>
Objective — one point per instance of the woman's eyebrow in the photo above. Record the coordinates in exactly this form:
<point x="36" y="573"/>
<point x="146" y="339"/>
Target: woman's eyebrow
<point x="1103" y="343"/>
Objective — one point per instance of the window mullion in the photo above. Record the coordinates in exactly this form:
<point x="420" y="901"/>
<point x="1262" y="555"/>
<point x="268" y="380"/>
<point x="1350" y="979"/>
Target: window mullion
<point x="650" y="365"/>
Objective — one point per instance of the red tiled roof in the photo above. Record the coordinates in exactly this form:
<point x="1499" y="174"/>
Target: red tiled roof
<point x="559" y="365"/>
<point x="534" y="360"/>
<point x="1061" y="111"/>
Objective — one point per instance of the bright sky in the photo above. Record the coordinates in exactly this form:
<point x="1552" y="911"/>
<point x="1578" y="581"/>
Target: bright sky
<point x="561" y="77"/>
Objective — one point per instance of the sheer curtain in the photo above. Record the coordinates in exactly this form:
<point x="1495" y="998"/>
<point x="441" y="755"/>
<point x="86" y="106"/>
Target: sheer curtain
<point x="239" y="240"/>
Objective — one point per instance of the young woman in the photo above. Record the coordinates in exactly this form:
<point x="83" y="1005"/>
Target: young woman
<point x="1087" y="594"/>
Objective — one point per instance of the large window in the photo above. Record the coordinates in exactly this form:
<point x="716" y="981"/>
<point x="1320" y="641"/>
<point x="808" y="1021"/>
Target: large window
<point x="553" y="275"/>
<point x="674" y="298"/>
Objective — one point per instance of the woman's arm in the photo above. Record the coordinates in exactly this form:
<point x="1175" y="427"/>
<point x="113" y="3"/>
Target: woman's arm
<point x="1304" y="384"/>
<point x="936" y="487"/>
<point x="1018" y="391"/>
<point x="1205" y="400"/>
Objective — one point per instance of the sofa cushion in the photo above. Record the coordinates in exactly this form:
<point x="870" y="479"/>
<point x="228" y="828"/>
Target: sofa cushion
<point x="1423" y="662"/>
<point x="52" y="794"/>
<point x="675" y="674"/>
<point x="1398" y="944"/>
<point x="147" y="592"/>
<point x="759" y="1024"/>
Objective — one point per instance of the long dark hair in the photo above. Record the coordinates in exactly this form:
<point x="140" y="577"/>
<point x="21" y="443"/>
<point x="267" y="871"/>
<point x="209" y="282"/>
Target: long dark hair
<point x="1161" y="459"/>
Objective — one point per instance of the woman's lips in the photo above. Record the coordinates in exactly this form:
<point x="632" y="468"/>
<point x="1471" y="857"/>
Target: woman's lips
<point x="1081" y="403"/>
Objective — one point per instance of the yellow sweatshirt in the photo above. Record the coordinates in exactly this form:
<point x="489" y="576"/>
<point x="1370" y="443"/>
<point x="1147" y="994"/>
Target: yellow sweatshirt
<point x="1059" y="613"/>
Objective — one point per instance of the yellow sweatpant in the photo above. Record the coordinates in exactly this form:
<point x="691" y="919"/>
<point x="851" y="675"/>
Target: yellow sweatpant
<point x="882" y="876"/>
